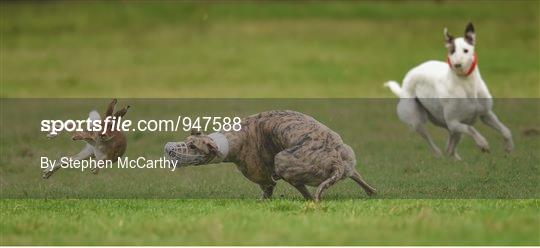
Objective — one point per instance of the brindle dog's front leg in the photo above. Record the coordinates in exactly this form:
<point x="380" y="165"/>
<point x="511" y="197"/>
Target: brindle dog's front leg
<point x="304" y="191"/>
<point x="267" y="190"/>
<point x="287" y="168"/>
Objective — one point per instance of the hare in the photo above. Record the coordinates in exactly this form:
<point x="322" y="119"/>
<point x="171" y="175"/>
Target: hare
<point x="103" y="146"/>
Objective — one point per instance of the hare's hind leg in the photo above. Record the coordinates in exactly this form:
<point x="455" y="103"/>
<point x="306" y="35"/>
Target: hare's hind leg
<point x="85" y="153"/>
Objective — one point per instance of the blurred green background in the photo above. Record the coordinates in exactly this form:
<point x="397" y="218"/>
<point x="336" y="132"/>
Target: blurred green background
<point x="254" y="49"/>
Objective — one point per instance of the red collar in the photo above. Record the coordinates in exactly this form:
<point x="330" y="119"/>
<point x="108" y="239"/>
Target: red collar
<point x="473" y="66"/>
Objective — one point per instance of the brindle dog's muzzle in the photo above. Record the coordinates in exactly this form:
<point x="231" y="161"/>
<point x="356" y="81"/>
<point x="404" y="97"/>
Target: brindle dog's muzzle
<point x="179" y="151"/>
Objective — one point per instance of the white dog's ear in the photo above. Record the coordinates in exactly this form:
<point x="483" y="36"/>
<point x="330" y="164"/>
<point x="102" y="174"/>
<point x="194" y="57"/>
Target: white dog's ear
<point x="449" y="39"/>
<point x="470" y="36"/>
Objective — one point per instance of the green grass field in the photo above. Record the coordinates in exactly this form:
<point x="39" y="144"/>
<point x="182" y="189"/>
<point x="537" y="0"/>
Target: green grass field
<point x="276" y="222"/>
<point x="265" y="50"/>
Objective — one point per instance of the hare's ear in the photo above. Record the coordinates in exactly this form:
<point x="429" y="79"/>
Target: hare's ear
<point x="110" y="109"/>
<point x="121" y="112"/>
<point x="195" y="131"/>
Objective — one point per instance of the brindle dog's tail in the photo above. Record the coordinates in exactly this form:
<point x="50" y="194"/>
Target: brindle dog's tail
<point x="358" y="179"/>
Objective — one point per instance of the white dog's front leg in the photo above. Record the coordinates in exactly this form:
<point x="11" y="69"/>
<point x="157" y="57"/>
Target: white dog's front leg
<point x="85" y="153"/>
<point x="481" y="142"/>
<point x="491" y="120"/>
<point x="453" y="141"/>
<point x="421" y="129"/>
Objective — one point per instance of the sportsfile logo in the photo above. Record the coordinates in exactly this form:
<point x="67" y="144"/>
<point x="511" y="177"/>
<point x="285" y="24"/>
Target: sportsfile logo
<point x="92" y="125"/>
<point x="113" y="123"/>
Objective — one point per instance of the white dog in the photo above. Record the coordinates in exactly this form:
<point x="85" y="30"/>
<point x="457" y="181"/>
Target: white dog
<point x="451" y="95"/>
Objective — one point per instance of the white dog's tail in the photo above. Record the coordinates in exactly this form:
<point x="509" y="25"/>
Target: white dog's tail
<point x="395" y="88"/>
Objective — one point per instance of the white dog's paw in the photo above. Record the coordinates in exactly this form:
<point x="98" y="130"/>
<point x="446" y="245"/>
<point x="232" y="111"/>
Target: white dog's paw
<point x="437" y="152"/>
<point x="508" y="145"/>
<point x="456" y="157"/>
<point x="483" y="144"/>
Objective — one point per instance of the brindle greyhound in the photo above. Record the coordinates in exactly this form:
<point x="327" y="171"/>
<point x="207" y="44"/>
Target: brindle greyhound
<point x="276" y="145"/>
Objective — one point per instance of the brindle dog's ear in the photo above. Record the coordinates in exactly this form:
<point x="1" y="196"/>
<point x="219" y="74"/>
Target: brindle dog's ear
<point x="470" y="35"/>
<point x="212" y="148"/>
<point x="449" y="39"/>
<point x="195" y="131"/>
